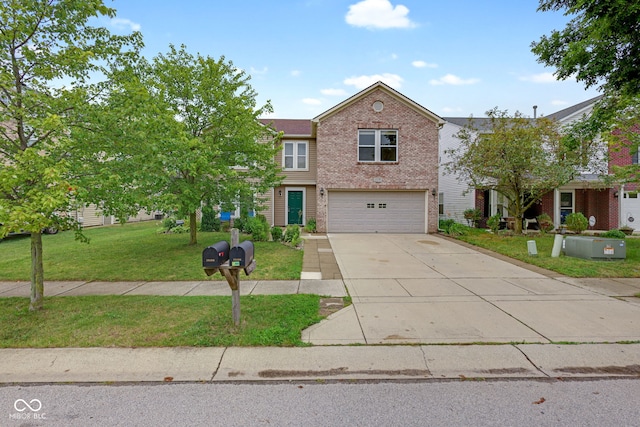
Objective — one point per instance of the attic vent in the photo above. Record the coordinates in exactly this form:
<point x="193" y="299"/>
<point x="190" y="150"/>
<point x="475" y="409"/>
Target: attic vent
<point x="378" y="106"/>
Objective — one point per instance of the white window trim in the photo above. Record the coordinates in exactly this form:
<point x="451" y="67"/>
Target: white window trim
<point x="304" y="204"/>
<point x="295" y="156"/>
<point x="378" y="146"/>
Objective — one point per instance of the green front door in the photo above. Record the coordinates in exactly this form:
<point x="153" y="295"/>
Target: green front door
<point x="294" y="203"/>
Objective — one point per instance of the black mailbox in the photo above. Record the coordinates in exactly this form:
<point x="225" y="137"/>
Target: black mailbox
<point x="241" y="255"/>
<point x="216" y="254"/>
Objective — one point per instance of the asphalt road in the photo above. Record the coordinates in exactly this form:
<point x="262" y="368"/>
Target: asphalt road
<point x="528" y="403"/>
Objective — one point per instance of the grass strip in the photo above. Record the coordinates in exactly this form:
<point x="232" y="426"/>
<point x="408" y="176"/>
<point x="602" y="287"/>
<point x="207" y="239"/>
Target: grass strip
<point x="157" y="321"/>
<point x="137" y="252"/>
<point x="516" y="247"/>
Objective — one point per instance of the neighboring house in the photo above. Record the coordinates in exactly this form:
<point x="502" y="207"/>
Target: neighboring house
<point x="587" y="193"/>
<point x="369" y="164"/>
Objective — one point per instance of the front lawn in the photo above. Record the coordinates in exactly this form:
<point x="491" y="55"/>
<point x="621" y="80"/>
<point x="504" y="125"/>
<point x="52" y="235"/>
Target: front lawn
<point x="137" y="252"/>
<point x="516" y="247"/>
<point x="155" y="321"/>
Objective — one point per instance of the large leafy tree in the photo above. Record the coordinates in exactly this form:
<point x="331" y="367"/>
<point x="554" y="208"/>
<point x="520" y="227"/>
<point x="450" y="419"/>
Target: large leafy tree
<point x="599" y="46"/>
<point x="48" y="51"/>
<point x="519" y="157"/>
<point x="215" y="151"/>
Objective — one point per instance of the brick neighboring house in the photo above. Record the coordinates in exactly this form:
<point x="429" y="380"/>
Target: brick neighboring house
<point x="369" y="164"/>
<point x="611" y="206"/>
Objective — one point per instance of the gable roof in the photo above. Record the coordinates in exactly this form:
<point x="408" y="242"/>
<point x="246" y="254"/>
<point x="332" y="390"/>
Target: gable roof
<point x="484" y="123"/>
<point x="379" y="85"/>
<point x="290" y="127"/>
<point x="479" y="123"/>
<point x="563" y="114"/>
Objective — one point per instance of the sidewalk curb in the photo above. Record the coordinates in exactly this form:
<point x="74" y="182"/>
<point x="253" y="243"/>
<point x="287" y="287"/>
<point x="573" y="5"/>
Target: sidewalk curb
<point x="323" y="363"/>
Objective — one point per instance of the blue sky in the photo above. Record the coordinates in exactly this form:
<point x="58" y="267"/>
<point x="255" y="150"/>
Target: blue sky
<point x="456" y="58"/>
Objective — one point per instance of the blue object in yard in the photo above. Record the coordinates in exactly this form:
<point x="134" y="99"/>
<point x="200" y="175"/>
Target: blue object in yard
<point x="225" y="216"/>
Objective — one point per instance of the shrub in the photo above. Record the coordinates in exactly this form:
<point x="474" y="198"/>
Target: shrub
<point x="445" y="224"/>
<point x="494" y="222"/>
<point x="241" y="223"/>
<point x="276" y="234"/>
<point x="172" y="225"/>
<point x="168" y="223"/>
<point x="292" y="235"/>
<point x="614" y="234"/>
<point x="576" y="222"/>
<point x="545" y="223"/>
<point x="472" y="216"/>
<point x="258" y="228"/>
<point x="311" y="225"/>
<point x="210" y="220"/>
<point x="457" y="229"/>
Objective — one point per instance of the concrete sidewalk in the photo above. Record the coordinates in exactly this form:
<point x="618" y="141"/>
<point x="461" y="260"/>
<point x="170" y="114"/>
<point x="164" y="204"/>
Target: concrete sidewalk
<point x="239" y="364"/>
<point x="333" y="288"/>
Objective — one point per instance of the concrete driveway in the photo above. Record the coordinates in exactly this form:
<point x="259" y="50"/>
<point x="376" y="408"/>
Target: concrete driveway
<point x="426" y="289"/>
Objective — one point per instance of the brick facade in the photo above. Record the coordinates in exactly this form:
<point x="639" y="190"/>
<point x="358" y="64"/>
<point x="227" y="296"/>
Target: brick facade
<point x="337" y="145"/>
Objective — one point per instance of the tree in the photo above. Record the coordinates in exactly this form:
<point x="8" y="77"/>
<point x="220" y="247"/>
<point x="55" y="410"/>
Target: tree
<point x="519" y="157"/>
<point x="217" y="152"/>
<point x="600" y="45"/>
<point x="48" y="52"/>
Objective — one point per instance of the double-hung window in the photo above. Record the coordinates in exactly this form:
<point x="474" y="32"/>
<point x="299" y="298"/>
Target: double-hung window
<point x="375" y="145"/>
<point x="295" y="155"/>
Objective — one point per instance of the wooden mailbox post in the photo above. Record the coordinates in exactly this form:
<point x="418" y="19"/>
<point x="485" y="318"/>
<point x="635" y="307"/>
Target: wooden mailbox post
<point x="229" y="260"/>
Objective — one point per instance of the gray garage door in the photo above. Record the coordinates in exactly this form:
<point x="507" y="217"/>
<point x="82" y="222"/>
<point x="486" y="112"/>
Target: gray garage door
<point x="376" y="211"/>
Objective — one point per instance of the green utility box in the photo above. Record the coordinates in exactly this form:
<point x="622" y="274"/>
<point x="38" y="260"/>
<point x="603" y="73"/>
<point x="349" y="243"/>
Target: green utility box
<point x="591" y="247"/>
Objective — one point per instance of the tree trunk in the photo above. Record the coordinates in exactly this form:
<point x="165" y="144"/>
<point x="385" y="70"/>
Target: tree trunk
<point x="37" y="273"/>
<point x="193" y="229"/>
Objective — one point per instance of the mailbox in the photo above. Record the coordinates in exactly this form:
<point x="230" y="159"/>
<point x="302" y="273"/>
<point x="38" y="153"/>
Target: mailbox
<point x="216" y="254"/>
<point x="241" y="255"/>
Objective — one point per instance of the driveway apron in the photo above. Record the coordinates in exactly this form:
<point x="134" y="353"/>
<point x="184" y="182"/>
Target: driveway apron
<point x="417" y="288"/>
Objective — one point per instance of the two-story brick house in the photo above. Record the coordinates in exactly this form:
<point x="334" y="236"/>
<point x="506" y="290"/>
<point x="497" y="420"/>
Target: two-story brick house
<point x="369" y="164"/>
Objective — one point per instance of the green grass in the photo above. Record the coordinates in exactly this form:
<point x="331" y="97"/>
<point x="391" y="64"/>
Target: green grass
<point x="136" y="251"/>
<point x="516" y="247"/>
<point x="154" y="321"/>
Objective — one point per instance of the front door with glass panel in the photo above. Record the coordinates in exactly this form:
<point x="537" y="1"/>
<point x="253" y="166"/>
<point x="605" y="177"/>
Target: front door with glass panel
<point x="566" y="205"/>
<point x="294" y="204"/>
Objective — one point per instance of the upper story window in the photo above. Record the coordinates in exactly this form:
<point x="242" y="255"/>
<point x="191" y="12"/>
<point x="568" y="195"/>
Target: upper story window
<point x="634" y="158"/>
<point x="295" y="155"/>
<point x="376" y="145"/>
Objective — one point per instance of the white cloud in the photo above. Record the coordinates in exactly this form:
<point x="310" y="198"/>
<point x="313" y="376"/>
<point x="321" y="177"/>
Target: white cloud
<point x="256" y="71"/>
<point x="295" y="73"/>
<point x="452" y="110"/>
<point x="451" y="79"/>
<point x="312" y="101"/>
<point x="423" y="64"/>
<point x="123" y="24"/>
<point x="558" y="102"/>
<point x="361" y="82"/>
<point x="378" y="14"/>
<point x="333" y="92"/>
<point x="540" y="78"/>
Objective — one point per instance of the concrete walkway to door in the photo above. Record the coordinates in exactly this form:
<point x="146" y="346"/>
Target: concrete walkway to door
<point x="409" y="288"/>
